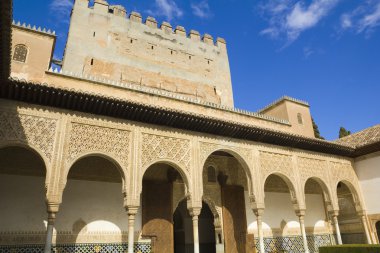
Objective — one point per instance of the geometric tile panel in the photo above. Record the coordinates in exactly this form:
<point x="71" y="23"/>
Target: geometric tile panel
<point x="294" y="244"/>
<point x="78" y="248"/>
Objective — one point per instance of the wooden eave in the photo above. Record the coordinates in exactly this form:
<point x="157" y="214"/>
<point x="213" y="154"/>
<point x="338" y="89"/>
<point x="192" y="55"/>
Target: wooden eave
<point x="124" y="109"/>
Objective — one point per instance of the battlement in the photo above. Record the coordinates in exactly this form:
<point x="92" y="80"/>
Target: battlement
<point x="102" y="7"/>
<point x="33" y="28"/>
<point x="108" y="42"/>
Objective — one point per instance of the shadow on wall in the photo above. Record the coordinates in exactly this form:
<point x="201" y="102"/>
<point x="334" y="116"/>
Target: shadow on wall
<point x="92" y="208"/>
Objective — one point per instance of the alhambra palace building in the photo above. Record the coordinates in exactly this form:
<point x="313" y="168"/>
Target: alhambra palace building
<point x="133" y="145"/>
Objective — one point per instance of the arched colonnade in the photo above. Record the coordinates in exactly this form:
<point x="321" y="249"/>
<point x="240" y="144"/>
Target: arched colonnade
<point x="63" y="140"/>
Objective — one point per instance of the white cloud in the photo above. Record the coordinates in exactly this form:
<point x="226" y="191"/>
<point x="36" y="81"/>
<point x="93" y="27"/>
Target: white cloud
<point x="365" y="18"/>
<point x="61" y="9"/>
<point x="201" y="9"/>
<point x="291" y="18"/>
<point x="166" y="8"/>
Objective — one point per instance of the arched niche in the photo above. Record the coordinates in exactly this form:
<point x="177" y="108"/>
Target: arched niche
<point x="350" y="224"/>
<point x="93" y="202"/>
<point x="279" y="195"/>
<point x="317" y="199"/>
<point x="22" y="190"/>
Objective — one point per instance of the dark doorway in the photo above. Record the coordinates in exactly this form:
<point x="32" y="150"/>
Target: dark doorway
<point x="183" y="230"/>
<point x="378" y="230"/>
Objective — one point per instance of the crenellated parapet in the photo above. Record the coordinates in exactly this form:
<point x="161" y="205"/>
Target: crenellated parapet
<point x="33" y="28"/>
<point x="102" y="7"/>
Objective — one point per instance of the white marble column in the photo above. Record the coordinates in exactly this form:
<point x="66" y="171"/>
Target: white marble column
<point x="334" y="215"/>
<point x="301" y="216"/>
<point x="195" y="212"/>
<point x="132" y="211"/>
<point x="365" y="226"/>
<point x="259" y="214"/>
<point x="49" y="232"/>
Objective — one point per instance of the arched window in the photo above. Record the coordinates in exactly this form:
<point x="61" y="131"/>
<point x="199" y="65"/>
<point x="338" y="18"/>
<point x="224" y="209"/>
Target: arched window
<point x="299" y="118"/>
<point x="211" y="174"/>
<point x="20" y="53"/>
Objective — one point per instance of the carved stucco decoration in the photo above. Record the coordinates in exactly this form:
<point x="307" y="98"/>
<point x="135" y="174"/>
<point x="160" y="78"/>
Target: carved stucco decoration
<point x="86" y="138"/>
<point x="208" y="148"/>
<point x="157" y="147"/>
<point x="276" y="163"/>
<point x="343" y="172"/>
<point x="34" y="131"/>
<point x="309" y="167"/>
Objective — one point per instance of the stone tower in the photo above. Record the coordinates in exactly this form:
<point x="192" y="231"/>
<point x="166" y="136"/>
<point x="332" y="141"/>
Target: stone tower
<point x="106" y="41"/>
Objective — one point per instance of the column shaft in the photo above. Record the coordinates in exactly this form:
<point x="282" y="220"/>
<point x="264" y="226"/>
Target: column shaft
<point x="303" y="232"/>
<point x="49" y="232"/>
<point x="337" y="230"/>
<point x="366" y="230"/>
<point x="131" y="231"/>
<point x="195" y="233"/>
<point x="260" y="232"/>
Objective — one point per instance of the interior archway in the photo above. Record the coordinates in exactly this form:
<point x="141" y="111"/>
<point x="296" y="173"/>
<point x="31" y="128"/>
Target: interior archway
<point x="163" y="187"/>
<point x="378" y="230"/>
<point x="278" y="197"/>
<point x="183" y="230"/>
<point x="229" y="192"/>
<point x="92" y="203"/>
<point x="316" y="217"/>
<point x="22" y="192"/>
<point x="351" y="228"/>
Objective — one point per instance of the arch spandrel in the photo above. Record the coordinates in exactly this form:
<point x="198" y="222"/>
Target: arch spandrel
<point x="344" y="172"/>
<point x="281" y="165"/>
<point x="29" y="130"/>
<point x="242" y="155"/>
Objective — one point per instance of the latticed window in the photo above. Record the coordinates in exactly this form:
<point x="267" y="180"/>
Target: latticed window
<point x="211" y="174"/>
<point x="300" y="119"/>
<point x="20" y="53"/>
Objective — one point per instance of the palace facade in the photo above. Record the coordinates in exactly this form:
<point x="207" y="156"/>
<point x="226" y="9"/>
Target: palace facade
<point x="132" y="144"/>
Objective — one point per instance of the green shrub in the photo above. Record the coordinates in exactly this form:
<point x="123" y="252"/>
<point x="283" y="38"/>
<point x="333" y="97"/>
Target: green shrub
<point x="351" y="248"/>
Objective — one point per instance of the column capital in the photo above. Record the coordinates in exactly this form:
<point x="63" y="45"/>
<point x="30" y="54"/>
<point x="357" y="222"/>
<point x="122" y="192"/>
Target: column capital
<point x="258" y="211"/>
<point x="52" y="207"/>
<point x="300" y="212"/>
<point x="195" y="211"/>
<point x="334" y="213"/>
<point x="132" y="210"/>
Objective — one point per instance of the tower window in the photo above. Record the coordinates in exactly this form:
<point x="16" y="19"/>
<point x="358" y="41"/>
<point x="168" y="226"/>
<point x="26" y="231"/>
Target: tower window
<point x="211" y="174"/>
<point x="131" y="41"/>
<point x="299" y="118"/>
<point x="92" y="62"/>
<point x="189" y="57"/>
<point x="152" y="47"/>
<point x="93" y="34"/>
<point x="20" y="53"/>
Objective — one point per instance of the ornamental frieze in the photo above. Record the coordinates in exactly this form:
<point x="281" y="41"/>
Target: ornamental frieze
<point x="309" y="167"/>
<point x="157" y="147"/>
<point x="275" y="162"/>
<point x="208" y="148"/>
<point x="38" y="132"/>
<point x="85" y="138"/>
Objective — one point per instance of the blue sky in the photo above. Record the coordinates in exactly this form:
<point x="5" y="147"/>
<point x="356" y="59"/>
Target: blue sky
<point x="326" y="52"/>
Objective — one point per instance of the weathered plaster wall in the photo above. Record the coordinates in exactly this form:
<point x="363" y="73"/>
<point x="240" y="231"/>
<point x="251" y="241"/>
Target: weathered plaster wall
<point x="40" y="50"/>
<point x="368" y="170"/>
<point x="114" y="47"/>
